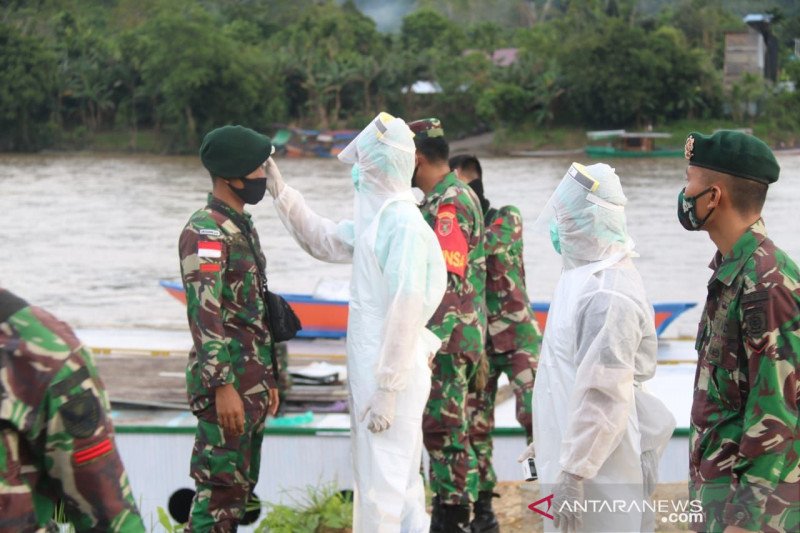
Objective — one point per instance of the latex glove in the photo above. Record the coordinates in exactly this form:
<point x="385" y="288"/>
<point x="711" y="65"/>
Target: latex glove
<point x="380" y="409"/>
<point x="568" y="490"/>
<point x="529" y="453"/>
<point x="275" y="183"/>
<point x="649" y="472"/>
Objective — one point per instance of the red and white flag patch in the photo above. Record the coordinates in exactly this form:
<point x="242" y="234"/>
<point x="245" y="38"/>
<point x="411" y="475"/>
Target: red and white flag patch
<point x="210" y="249"/>
<point x="452" y="240"/>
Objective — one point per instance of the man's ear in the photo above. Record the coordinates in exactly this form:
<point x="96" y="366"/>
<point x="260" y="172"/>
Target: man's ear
<point x="715" y="195"/>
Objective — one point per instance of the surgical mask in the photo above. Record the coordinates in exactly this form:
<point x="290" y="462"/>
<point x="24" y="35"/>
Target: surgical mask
<point x="356" y="175"/>
<point x="253" y="190"/>
<point x="554" y="237"/>
<point x="687" y="210"/>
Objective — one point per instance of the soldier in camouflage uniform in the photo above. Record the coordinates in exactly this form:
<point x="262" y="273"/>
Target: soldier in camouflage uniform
<point x="229" y="377"/>
<point x="512" y="343"/>
<point x="745" y="448"/>
<point x="453" y="211"/>
<point x="56" y="437"/>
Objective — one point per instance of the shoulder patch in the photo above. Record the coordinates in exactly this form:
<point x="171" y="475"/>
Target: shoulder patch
<point x="85" y="455"/>
<point x="755" y="320"/>
<point x="212" y="232"/>
<point x="451" y="240"/>
<point x="81" y="414"/>
<point x="211" y="249"/>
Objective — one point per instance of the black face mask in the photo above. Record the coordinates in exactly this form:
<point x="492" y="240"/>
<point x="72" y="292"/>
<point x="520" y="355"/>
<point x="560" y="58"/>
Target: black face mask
<point x="477" y="186"/>
<point x="414" y="177"/>
<point x="253" y="190"/>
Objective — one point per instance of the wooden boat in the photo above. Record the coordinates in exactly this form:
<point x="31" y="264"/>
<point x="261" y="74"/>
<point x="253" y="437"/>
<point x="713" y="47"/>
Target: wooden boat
<point x="621" y="143"/>
<point x="323" y="318"/>
<point x="296" y="142"/>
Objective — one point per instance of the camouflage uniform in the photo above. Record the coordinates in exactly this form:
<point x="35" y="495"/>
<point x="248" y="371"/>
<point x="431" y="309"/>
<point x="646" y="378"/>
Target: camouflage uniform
<point x="451" y="208"/>
<point x="225" y="307"/>
<point x="744" y="448"/>
<point x="56" y="437"/>
<point x="513" y="336"/>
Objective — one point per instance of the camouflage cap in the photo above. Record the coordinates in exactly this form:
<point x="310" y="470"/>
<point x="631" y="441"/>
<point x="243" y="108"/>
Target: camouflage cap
<point x="234" y="151"/>
<point x="426" y="128"/>
<point x="734" y="153"/>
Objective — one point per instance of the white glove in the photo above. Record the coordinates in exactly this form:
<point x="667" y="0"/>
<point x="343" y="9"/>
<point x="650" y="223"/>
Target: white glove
<point x="567" y="492"/>
<point x="529" y="453"/>
<point x="275" y="183"/>
<point x="649" y="472"/>
<point x="381" y="409"/>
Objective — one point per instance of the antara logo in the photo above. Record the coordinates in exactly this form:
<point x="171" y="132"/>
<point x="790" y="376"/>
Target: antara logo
<point x="549" y="499"/>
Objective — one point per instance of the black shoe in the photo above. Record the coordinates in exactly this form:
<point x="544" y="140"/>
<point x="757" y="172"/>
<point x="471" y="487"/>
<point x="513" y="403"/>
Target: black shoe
<point x="455" y="518"/>
<point x="437" y="520"/>
<point x="485" y="521"/>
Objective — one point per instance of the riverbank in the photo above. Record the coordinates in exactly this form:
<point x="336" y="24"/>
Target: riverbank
<point x="502" y="142"/>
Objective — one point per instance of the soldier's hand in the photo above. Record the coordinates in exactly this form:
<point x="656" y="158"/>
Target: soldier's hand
<point x="430" y="359"/>
<point x="230" y="409"/>
<point x="274" y="401"/>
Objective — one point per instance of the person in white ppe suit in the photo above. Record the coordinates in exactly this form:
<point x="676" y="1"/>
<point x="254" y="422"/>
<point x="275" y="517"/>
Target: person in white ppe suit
<point x="398" y="280"/>
<point x="598" y="435"/>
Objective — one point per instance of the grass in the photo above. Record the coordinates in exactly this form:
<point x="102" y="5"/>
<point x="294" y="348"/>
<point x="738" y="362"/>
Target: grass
<point x="146" y="141"/>
<point x="571" y="137"/>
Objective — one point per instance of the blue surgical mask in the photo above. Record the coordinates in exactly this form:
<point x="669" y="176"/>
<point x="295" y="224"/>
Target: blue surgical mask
<point x="554" y="237"/>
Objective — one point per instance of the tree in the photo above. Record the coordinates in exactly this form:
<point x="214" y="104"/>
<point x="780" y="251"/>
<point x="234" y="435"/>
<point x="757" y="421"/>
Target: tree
<point x="326" y="51"/>
<point x="27" y="91"/>
<point x="199" y="77"/>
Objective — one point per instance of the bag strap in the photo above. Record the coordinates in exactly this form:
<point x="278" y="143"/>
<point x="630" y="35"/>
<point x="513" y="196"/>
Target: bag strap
<point x="10" y="303"/>
<point x="239" y="221"/>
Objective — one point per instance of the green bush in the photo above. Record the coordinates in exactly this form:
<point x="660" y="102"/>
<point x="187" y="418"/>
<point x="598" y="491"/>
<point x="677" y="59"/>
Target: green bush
<point x="320" y="509"/>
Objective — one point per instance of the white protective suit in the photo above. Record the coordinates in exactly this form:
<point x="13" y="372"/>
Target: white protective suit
<point x="397" y="283"/>
<point x="591" y="416"/>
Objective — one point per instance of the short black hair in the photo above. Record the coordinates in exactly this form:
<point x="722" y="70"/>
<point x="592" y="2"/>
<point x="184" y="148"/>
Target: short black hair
<point x="747" y="196"/>
<point x="435" y="149"/>
<point x="468" y="163"/>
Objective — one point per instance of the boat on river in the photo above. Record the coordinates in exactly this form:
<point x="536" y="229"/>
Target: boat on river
<point x="297" y="142"/>
<point x="327" y="318"/>
<point x="621" y="143"/>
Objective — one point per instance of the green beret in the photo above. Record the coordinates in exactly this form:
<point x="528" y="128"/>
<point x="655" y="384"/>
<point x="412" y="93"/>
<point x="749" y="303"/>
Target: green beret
<point x="735" y="153"/>
<point x="234" y="151"/>
<point x="426" y="128"/>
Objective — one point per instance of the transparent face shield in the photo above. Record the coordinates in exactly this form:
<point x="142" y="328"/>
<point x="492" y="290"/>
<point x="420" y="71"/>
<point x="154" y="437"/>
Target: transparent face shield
<point x="585" y="216"/>
<point x="382" y="156"/>
<point x="378" y="126"/>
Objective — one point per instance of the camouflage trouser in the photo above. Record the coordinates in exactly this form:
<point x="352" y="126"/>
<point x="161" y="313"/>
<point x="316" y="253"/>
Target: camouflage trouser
<point x="445" y="427"/>
<point x="225" y="468"/>
<point x="519" y="366"/>
<point x="782" y="508"/>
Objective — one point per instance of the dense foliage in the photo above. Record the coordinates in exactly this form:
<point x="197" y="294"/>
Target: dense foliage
<point x="70" y="69"/>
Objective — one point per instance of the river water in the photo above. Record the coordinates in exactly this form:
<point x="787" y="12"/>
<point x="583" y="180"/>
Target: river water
<point x="89" y="236"/>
